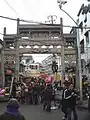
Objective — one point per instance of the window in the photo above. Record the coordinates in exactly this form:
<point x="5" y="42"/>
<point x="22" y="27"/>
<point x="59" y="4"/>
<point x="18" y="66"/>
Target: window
<point x="85" y="18"/>
<point x="82" y="46"/>
<point x="85" y="10"/>
<point x="36" y="67"/>
<point x="87" y="37"/>
<point x="31" y="66"/>
<point x="89" y="69"/>
<point x="81" y="26"/>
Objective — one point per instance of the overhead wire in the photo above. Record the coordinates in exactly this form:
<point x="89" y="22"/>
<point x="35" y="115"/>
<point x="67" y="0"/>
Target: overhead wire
<point x="16" y="14"/>
<point x="41" y="23"/>
<point x="26" y="6"/>
<point x="1" y="34"/>
<point x="27" y="21"/>
<point x="15" y="19"/>
<point x="12" y="8"/>
<point x="32" y="20"/>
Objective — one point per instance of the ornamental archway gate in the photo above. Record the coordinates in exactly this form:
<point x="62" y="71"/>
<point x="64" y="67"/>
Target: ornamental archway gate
<point x="31" y="39"/>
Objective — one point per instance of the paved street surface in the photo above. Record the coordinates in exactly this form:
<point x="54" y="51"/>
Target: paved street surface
<point x="36" y="113"/>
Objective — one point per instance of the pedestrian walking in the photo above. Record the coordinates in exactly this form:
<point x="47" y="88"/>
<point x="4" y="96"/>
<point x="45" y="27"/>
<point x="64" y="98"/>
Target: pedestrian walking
<point x="63" y="102"/>
<point x="13" y="92"/>
<point x="30" y="94"/>
<point x="47" y="98"/>
<point x="26" y="95"/>
<point x="22" y="94"/>
<point x="70" y="96"/>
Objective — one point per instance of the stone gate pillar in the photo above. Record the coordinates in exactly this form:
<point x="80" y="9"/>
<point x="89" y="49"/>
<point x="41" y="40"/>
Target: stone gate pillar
<point x="2" y="68"/>
<point x="17" y="53"/>
<point x="17" y="61"/>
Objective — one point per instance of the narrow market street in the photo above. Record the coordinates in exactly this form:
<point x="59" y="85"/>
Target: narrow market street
<point x="32" y="112"/>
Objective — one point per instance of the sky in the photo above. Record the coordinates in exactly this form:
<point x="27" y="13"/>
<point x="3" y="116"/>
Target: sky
<point x="36" y="10"/>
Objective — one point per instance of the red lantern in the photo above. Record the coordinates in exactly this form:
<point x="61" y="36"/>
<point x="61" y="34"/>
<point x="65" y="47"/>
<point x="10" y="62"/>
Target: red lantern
<point x="48" y="79"/>
<point x="8" y="72"/>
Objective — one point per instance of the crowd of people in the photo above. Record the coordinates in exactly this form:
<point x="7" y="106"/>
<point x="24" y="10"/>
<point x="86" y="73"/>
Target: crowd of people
<point x="44" y="93"/>
<point x="28" y="94"/>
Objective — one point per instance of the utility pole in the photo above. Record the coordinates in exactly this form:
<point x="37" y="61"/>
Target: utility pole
<point x="62" y="54"/>
<point x="79" y="65"/>
<point x="3" y="61"/>
<point x="2" y="67"/>
<point x="61" y="3"/>
<point x="51" y="19"/>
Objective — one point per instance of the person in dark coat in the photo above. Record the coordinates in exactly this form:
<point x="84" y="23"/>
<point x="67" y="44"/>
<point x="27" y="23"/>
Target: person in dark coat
<point x="12" y="111"/>
<point x="30" y="94"/>
<point x="47" y="98"/>
<point x="42" y="87"/>
<point x="63" y="102"/>
<point x="35" y="93"/>
<point x="13" y="93"/>
<point x="71" y="96"/>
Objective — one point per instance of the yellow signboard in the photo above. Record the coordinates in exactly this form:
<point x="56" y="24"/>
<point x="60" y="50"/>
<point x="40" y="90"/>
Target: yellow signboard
<point x="34" y="73"/>
<point x="57" y="77"/>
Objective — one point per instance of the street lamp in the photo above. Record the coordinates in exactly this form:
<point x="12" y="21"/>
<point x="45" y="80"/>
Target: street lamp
<point x="61" y="3"/>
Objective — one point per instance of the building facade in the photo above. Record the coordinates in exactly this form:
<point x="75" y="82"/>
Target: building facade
<point x="27" y="59"/>
<point x="33" y="70"/>
<point x="84" y="23"/>
<point x="47" y="65"/>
